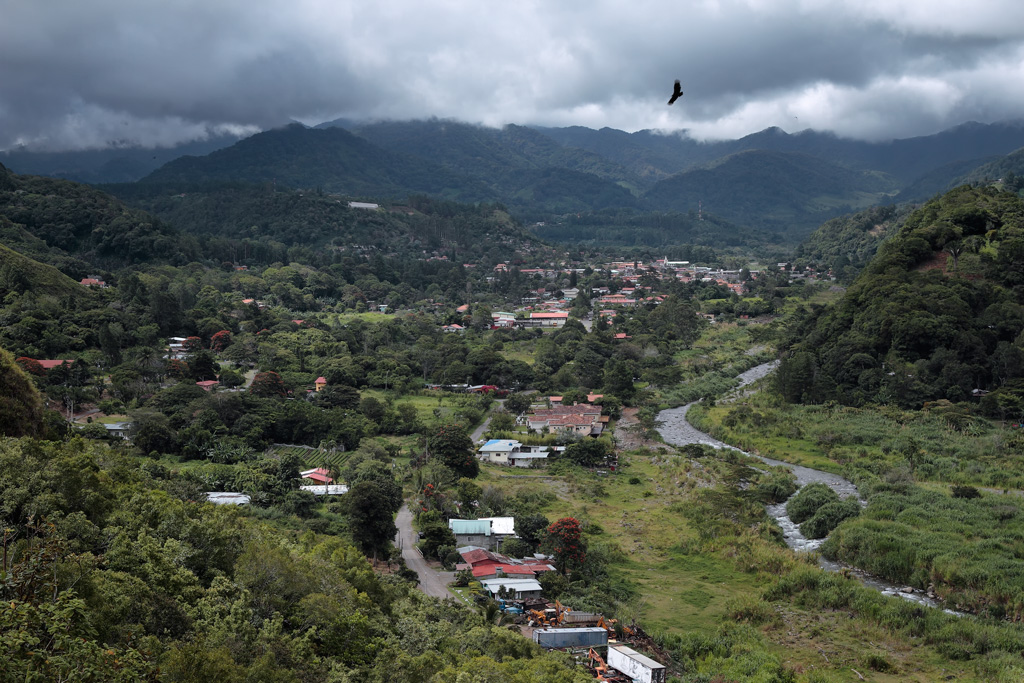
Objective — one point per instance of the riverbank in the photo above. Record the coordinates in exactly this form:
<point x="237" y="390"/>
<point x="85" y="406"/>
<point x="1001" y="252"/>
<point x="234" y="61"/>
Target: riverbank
<point x="676" y="430"/>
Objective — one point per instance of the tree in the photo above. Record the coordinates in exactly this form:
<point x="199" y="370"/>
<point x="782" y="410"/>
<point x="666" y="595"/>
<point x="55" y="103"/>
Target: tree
<point x="203" y="366"/>
<point x="451" y="445"/>
<point x="370" y="515"/>
<point x="230" y="378"/>
<point x="379" y="472"/>
<point x="566" y="539"/>
<point x="151" y="432"/>
<point x="468" y="492"/>
<point x="588" y="452"/>
<point x="502" y="421"/>
<point x="32" y="366"/>
<point x="517" y="403"/>
<point x="435" y="534"/>
<point x="531" y="528"/>
<point x="338" y="396"/>
<point x="220" y="340"/>
<point x="618" y="379"/>
<point x="267" y="384"/>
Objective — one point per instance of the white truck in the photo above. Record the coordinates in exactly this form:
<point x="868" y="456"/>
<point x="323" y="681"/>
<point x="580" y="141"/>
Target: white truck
<point x="638" y="667"/>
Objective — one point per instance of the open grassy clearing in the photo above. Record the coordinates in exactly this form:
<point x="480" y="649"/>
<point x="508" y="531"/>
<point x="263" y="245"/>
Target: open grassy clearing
<point x="692" y="583"/>
<point x="934" y="445"/>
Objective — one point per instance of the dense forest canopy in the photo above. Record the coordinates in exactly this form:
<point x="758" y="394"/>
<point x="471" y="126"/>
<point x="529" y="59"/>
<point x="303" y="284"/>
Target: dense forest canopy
<point x="937" y="313"/>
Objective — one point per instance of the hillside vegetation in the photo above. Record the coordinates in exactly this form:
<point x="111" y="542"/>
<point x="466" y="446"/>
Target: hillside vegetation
<point x="334" y="159"/>
<point x="779" y="191"/>
<point x="846" y="244"/>
<point x="74" y="219"/>
<point x="936" y="314"/>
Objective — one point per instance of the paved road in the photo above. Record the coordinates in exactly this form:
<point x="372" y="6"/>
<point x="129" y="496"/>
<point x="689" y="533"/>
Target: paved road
<point x="479" y="431"/>
<point x="432" y="582"/>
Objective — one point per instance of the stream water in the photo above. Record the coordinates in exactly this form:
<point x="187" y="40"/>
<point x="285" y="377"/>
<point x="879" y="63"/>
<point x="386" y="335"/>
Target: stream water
<point x="678" y="431"/>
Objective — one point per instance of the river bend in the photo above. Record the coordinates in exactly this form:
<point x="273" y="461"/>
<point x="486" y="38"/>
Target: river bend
<point x="676" y="430"/>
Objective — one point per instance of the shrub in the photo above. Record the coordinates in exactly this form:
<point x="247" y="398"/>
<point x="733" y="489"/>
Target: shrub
<point x="964" y="491"/>
<point x="808" y="500"/>
<point x="828" y="518"/>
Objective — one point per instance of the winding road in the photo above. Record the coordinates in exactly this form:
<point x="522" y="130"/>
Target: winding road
<point x="432" y="582"/>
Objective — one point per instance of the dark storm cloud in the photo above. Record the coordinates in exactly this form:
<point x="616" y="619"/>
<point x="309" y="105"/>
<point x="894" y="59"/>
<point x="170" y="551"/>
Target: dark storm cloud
<point x="79" y="74"/>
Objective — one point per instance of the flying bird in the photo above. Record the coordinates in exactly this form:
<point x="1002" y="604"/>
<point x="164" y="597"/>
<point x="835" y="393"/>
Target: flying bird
<point x="677" y="92"/>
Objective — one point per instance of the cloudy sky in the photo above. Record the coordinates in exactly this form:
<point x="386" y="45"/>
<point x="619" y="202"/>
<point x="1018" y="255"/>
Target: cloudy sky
<point x="77" y="74"/>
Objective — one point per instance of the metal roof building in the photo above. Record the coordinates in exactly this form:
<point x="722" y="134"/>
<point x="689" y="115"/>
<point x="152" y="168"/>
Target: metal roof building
<point x="522" y="588"/>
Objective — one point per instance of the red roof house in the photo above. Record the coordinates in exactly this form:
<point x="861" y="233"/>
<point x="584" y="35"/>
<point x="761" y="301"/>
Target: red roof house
<point x="319" y="475"/>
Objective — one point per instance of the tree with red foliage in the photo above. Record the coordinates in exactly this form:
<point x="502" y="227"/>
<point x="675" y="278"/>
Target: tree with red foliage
<point x="220" y="340"/>
<point x="267" y="384"/>
<point x="566" y="539"/>
<point x="31" y="366"/>
<point x="192" y="344"/>
<point x="177" y="369"/>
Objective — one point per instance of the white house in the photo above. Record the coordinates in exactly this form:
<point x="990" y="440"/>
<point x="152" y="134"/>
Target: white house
<point x="512" y="452"/>
<point x="521" y="588"/>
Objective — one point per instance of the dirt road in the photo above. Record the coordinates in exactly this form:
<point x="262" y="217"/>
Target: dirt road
<point x="432" y="582"/>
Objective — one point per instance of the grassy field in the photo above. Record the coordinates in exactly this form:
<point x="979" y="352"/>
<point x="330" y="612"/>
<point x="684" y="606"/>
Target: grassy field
<point x="704" y="568"/>
<point x="941" y="444"/>
<point x="431" y="406"/>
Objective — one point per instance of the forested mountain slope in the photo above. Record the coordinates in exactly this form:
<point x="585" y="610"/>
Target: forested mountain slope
<point x="249" y="223"/>
<point x="938" y="312"/>
<point x="778" y="191"/>
<point x="845" y="244"/>
<point x="487" y="153"/>
<point x="333" y="159"/>
<point x="76" y="227"/>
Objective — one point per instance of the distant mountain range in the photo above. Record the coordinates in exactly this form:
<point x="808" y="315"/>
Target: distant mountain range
<point x="787" y="184"/>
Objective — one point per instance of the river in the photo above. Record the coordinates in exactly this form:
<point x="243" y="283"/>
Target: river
<point x="676" y="430"/>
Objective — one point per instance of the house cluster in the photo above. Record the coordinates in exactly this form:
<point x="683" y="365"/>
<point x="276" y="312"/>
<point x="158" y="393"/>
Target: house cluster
<point x="583" y="419"/>
<point x="504" y="320"/>
<point x="496" y="572"/>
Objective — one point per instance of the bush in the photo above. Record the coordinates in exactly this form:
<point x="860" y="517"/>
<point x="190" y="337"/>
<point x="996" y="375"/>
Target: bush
<point x="808" y="500"/>
<point x="828" y="518"/>
<point x="777" y="487"/>
<point x="967" y="492"/>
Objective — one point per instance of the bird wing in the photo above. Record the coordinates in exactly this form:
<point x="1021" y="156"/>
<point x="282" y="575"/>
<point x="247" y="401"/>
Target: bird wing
<point x="677" y="92"/>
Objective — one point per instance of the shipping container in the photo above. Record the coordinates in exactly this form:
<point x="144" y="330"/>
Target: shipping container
<point x="638" y="667"/>
<point x="561" y="638"/>
<point x="571" y="617"/>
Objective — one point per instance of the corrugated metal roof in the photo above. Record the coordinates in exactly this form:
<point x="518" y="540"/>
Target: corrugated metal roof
<point x="501" y="525"/>
<point x="470" y="526"/>
<point x="500" y="446"/>
<point x="518" y="585"/>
